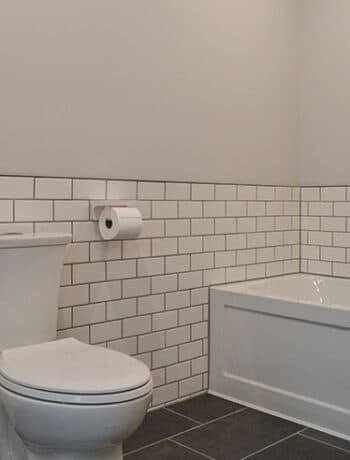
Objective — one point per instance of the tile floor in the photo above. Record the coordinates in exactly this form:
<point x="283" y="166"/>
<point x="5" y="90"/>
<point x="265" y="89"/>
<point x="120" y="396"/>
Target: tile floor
<point x="207" y="427"/>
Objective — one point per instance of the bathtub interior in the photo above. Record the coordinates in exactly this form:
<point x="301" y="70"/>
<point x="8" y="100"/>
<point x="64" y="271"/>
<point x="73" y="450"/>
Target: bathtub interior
<point x="312" y="289"/>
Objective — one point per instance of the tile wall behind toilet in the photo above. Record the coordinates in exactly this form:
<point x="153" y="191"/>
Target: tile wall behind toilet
<point x="149" y="297"/>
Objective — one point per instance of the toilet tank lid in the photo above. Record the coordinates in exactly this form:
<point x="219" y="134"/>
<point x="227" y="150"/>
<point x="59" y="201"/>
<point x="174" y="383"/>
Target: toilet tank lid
<point x="22" y="240"/>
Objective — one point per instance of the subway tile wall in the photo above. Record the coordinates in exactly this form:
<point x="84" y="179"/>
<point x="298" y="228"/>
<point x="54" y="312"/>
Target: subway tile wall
<point x="149" y="297"/>
<point x="325" y="231"/>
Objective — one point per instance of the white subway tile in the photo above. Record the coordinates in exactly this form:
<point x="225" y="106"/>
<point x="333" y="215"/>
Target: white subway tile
<point x="164" y="320"/>
<point x="6" y="210"/>
<point x="256" y="271"/>
<point x="246" y="224"/>
<point x="150" y="304"/>
<point x="89" y="314"/>
<point x="16" y="187"/>
<point x="119" y="309"/>
<point x="165" y="394"/>
<point x="342" y="209"/>
<point x="214" y="243"/>
<point x="127" y="345"/>
<point x="53" y="188"/>
<point x="199" y="365"/>
<point x="331" y="224"/>
<point x="180" y="299"/>
<point x="333" y="254"/>
<point x="310" y="194"/>
<point x="164" y="357"/>
<point x="246" y="256"/>
<point x="320" y="238"/>
<point x="199" y="296"/>
<point x="202" y="261"/>
<point x="190" y="315"/>
<point x="202" y="226"/>
<point x="256" y="208"/>
<point x="177" y="191"/>
<point x="79" y="333"/>
<point x="190" y="350"/>
<point x="89" y="189"/>
<point x="246" y="192"/>
<point x="333" y="194"/>
<point x="103" y="332"/>
<point x="164" y="209"/>
<point x="291" y="208"/>
<point x="177" y="336"/>
<point x="151" y="191"/>
<point x="190" y="244"/>
<point x="110" y="290"/>
<point x="266" y="193"/>
<point x="121" y="190"/>
<point x="136" y="287"/>
<point x="136" y="248"/>
<point x="64" y="318"/>
<point x="265" y="224"/>
<point x="29" y="210"/>
<point x="53" y="227"/>
<point x="225" y="259"/>
<point x="274" y="208"/>
<point x="73" y="295"/>
<point x="225" y="192"/>
<point x="234" y="274"/>
<point x="177" y="264"/>
<point x="164" y="246"/>
<point x="89" y="272"/>
<point x="152" y="228"/>
<point x="320" y="208"/>
<point x="318" y="267"/>
<point x="136" y="326"/>
<point x="150" y="266"/>
<point x="214" y="276"/>
<point x="190" y="280"/>
<point x="341" y="239"/>
<point x="151" y="342"/>
<point x="178" y="371"/>
<point x="313" y="223"/>
<point x="190" y="209"/>
<point x="76" y="252"/>
<point x="121" y="269"/>
<point x="178" y="227"/>
<point x="106" y="250"/>
<point x="71" y="210"/>
<point x="225" y="225"/>
<point x="203" y="191"/>
<point x="238" y="241"/>
<point x="283" y="223"/>
<point x="165" y="283"/>
<point x="283" y="193"/>
<point x="236" y="208"/>
<point x="86" y="231"/>
<point x="214" y="209"/>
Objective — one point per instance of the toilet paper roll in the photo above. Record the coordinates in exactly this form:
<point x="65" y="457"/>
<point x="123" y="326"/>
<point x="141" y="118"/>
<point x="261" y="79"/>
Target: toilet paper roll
<point x="120" y="223"/>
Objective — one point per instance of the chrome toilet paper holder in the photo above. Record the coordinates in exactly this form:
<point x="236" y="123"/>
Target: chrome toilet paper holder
<point x="97" y="206"/>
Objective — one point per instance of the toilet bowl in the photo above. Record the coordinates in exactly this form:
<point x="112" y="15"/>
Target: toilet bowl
<point x="65" y="400"/>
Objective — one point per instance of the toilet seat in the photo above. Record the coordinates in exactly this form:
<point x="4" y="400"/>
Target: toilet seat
<point x="71" y="372"/>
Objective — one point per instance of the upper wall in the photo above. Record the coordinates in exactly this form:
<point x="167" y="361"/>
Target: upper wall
<point x="325" y="96"/>
<point x="171" y="90"/>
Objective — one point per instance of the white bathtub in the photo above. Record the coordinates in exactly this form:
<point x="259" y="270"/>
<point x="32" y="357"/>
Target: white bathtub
<point x="282" y="345"/>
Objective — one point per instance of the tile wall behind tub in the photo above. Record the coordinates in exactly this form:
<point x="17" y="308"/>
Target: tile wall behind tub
<point x="149" y="297"/>
<point x="325" y="225"/>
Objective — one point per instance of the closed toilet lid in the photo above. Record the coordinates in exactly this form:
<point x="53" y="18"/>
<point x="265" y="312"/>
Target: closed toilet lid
<point x="70" y="366"/>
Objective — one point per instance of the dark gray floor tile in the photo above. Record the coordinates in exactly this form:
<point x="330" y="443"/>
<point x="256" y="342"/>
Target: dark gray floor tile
<point x="338" y="442"/>
<point x="205" y="408"/>
<point x="165" y="450"/>
<point x="157" y="425"/>
<point x="238" y="435"/>
<point x="300" y="448"/>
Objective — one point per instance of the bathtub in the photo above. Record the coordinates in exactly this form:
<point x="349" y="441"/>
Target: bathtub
<point x="282" y="345"/>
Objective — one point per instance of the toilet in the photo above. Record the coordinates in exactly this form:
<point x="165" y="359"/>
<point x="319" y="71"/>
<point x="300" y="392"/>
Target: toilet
<point x="59" y="399"/>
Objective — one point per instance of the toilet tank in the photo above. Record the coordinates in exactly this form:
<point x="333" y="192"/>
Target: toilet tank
<point x="30" y="270"/>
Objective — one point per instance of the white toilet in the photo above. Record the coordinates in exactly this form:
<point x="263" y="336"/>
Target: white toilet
<point x="59" y="399"/>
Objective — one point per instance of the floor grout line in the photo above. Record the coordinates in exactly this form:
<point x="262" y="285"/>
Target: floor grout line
<point x="324" y="442"/>
<point x="170" y="438"/>
<point x="192" y="450"/>
<point x="273" y="444"/>
<point x="172" y="411"/>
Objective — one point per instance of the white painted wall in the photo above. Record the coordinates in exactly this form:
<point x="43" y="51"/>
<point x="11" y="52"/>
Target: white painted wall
<point x="159" y="89"/>
<point x="324" y="151"/>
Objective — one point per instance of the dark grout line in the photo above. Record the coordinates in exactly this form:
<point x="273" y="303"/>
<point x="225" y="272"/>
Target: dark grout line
<point x="311" y="438"/>
<point x="192" y="450"/>
<point x="252" y="455"/>
<point x="170" y="438"/>
<point x="172" y="411"/>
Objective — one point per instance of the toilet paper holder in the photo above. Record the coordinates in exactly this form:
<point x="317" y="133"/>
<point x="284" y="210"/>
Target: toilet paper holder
<point x="96" y="207"/>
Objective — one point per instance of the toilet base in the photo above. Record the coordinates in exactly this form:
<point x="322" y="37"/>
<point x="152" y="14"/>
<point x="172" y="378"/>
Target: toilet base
<point x="112" y="453"/>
